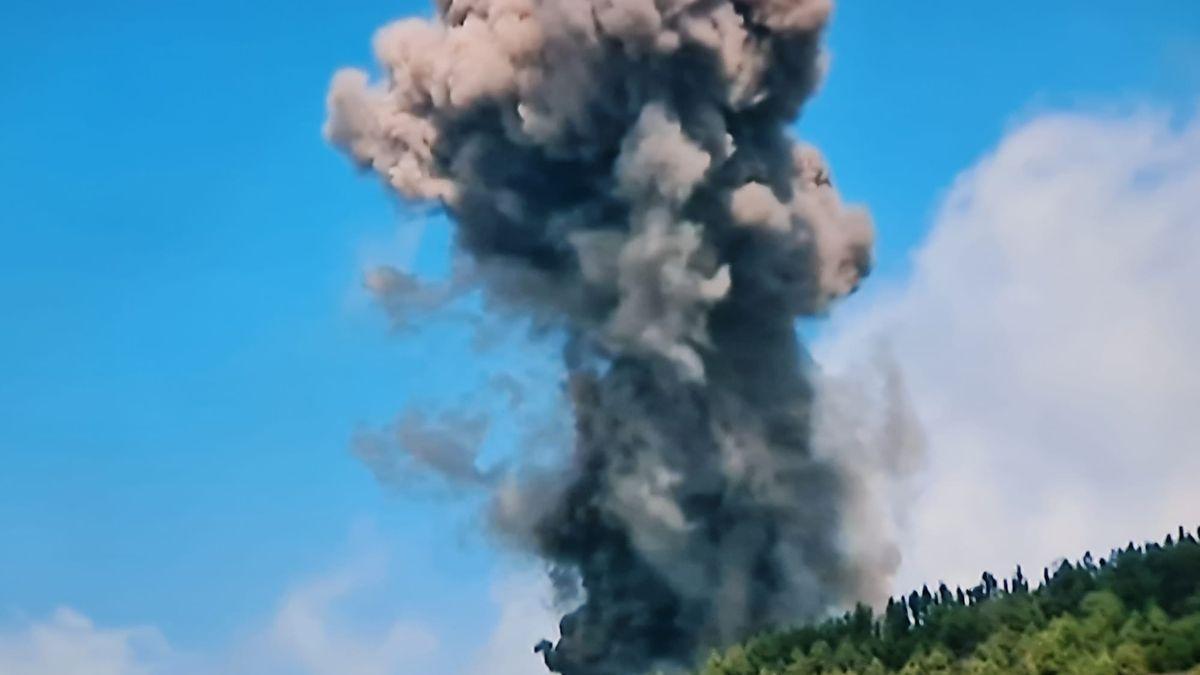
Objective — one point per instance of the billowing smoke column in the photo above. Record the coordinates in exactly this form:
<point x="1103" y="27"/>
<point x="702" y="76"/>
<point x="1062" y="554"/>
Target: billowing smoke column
<point x="623" y="169"/>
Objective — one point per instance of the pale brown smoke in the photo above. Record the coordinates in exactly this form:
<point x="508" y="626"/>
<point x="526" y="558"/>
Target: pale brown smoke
<point x="622" y="169"/>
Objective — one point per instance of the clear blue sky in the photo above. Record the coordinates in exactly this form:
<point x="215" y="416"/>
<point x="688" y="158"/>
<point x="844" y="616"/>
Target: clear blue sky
<point x="185" y="354"/>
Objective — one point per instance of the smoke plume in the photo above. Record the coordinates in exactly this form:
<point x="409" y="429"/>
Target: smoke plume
<point x="622" y="171"/>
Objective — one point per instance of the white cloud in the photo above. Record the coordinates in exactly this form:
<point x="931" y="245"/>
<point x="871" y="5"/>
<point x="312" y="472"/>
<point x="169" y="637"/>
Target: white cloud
<point x="67" y="643"/>
<point x="306" y="635"/>
<point x="1049" y="337"/>
<point x="525" y="618"/>
<point x="313" y="630"/>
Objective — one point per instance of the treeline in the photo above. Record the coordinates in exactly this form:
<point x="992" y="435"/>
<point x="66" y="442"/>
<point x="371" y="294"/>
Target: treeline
<point x="1136" y="611"/>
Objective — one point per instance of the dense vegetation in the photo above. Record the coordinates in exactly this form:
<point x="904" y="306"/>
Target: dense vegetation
<point x="1136" y="612"/>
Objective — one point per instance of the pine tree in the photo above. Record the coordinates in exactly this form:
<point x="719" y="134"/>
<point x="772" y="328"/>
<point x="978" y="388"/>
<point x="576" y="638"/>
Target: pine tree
<point x="1137" y="612"/>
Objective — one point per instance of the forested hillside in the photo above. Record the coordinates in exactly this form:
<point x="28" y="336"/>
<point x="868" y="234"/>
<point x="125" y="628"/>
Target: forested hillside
<point x="1136" y="611"/>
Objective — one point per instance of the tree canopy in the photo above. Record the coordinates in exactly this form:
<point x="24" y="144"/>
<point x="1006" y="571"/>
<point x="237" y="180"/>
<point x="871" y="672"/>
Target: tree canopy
<point x="1136" y="611"/>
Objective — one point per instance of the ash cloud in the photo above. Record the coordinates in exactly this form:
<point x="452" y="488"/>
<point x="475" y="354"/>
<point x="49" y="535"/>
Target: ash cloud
<point x="446" y="446"/>
<point x="622" y="171"/>
<point x="406" y="299"/>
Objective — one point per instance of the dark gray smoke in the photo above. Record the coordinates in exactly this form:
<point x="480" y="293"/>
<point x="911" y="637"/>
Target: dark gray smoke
<point x="623" y="170"/>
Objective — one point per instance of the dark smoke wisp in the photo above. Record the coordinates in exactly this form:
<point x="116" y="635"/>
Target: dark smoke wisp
<point x="622" y="169"/>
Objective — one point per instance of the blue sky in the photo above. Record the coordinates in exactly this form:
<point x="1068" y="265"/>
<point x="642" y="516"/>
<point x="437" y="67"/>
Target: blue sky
<point x="186" y="352"/>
